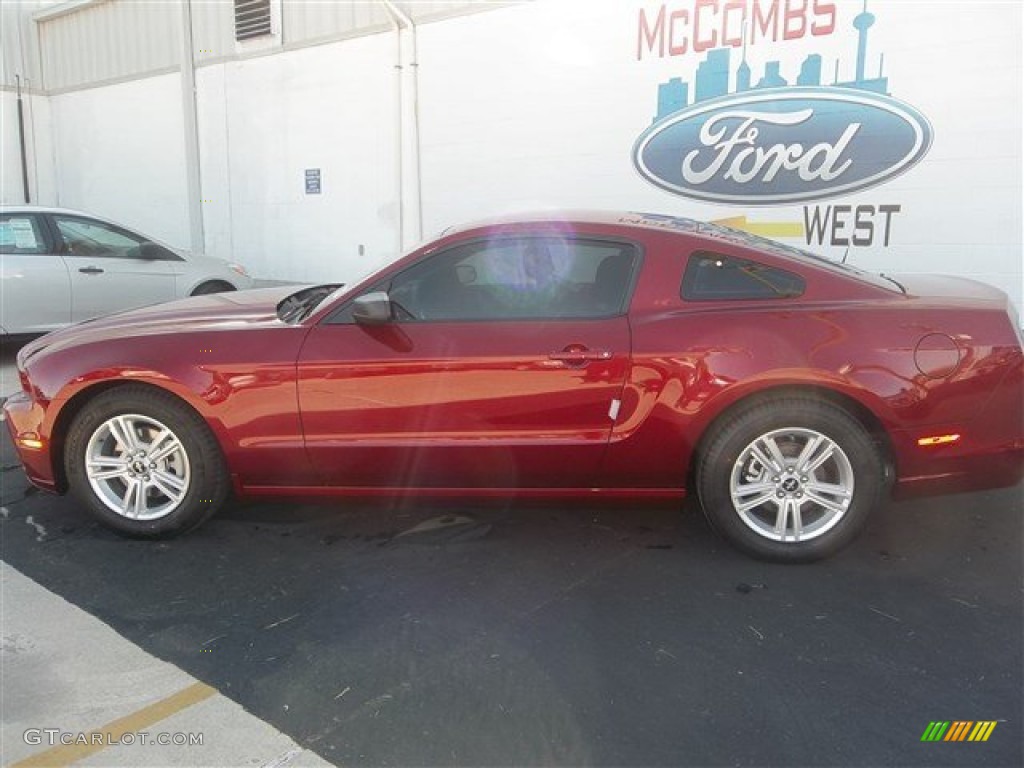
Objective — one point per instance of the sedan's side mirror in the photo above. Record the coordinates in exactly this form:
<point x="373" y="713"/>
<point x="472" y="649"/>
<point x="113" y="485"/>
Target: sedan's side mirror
<point x="151" y="251"/>
<point x="372" y="308"/>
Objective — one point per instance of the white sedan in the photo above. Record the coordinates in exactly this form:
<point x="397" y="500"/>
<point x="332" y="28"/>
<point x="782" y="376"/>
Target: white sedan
<point x="59" y="267"/>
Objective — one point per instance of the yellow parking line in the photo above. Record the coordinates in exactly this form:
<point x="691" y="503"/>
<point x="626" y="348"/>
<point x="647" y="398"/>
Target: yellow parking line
<point x="111" y="733"/>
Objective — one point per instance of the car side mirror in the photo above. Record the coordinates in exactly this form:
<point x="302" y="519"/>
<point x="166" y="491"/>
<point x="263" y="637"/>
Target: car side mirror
<point x="372" y="309"/>
<point x="150" y="251"/>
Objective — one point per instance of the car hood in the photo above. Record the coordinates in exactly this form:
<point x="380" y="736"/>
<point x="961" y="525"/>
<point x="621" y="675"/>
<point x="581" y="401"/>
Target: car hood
<point x="234" y="310"/>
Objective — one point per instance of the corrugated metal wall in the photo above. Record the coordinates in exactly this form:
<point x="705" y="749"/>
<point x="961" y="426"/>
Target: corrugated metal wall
<point x="18" y="55"/>
<point x="10" y="44"/>
<point x="107" y="40"/>
<point x="305" y="21"/>
<point x="424" y="10"/>
<point x="213" y="31"/>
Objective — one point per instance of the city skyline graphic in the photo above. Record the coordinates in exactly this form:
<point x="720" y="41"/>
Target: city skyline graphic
<point x="712" y="77"/>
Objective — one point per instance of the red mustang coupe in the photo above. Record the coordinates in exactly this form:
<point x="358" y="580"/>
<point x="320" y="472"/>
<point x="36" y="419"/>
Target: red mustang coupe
<point x="630" y="355"/>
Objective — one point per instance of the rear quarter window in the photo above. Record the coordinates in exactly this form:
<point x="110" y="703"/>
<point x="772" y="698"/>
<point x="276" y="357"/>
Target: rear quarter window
<point x="715" y="277"/>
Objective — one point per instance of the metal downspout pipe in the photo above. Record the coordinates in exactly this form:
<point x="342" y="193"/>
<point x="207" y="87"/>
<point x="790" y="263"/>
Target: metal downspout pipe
<point x="21" y="144"/>
<point x="410" y="184"/>
<point x="399" y="101"/>
<point x="193" y="181"/>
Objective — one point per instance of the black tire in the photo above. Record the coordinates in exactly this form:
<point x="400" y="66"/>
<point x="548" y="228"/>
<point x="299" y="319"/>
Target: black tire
<point x="196" y="463"/>
<point x="214" y="286"/>
<point x="745" y="498"/>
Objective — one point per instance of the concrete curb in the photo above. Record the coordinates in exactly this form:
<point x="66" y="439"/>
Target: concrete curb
<point x="75" y="691"/>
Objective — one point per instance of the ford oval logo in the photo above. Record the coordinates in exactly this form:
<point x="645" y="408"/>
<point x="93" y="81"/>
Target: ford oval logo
<point x="782" y="145"/>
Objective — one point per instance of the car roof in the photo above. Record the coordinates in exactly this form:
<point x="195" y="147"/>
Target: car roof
<point x="639" y="220"/>
<point x="47" y="209"/>
<point x="555" y="216"/>
<point x="709" y="233"/>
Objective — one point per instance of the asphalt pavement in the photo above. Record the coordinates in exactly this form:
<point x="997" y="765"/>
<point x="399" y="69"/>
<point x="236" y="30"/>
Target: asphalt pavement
<point x="408" y="633"/>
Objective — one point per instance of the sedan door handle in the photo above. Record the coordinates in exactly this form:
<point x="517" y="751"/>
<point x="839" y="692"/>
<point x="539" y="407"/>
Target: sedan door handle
<point x="580" y="356"/>
<point x="91" y="271"/>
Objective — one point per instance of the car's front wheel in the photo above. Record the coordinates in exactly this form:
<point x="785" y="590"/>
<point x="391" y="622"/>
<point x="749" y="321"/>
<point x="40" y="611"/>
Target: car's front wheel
<point x="145" y="463"/>
<point x="791" y="480"/>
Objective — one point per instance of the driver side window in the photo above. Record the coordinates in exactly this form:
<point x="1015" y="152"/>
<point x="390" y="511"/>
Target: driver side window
<point x="527" y="278"/>
<point x="86" y="237"/>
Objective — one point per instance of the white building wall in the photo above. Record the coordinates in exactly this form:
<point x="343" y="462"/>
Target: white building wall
<point x="539" y="105"/>
<point x="120" y="154"/>
<point x="263" y="122"/>
<point x="525" y="108"/>
<point x="42" y="151"/>
<point x="528" y="106"/>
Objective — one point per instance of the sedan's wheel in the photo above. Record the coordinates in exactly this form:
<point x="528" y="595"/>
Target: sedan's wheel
<point x="790" y="480"/>
<point x="214" y="286"/>
<point x="145" y="463"/>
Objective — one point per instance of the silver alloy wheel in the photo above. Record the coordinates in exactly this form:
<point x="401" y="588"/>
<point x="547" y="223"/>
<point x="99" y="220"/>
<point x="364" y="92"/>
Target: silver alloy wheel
<point x="137" y="467"/>
<point x="792" y="484"/>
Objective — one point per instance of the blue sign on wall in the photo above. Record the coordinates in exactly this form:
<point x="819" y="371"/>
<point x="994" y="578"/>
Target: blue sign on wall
<point x="312" y="181"/>
<point x="782" y="146"/>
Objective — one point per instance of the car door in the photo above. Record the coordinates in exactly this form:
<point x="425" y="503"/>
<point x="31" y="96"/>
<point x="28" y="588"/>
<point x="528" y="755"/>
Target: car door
<point x="500" y="369"/>
<point x="34" y="283"/>
<point x="111" y="269"/>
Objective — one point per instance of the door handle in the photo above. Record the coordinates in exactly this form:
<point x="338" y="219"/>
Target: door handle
<point x="91" y="271"/>
<point x="579" y="356"/>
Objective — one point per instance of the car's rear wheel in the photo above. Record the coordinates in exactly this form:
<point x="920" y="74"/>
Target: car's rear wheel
<point x="790" y="480"/>
<point x="145" y="463"/>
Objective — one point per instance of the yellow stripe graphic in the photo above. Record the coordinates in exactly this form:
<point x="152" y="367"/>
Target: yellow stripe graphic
<point x="66" y="754"/>
<point x="764" y="228"/>
<point x="982" y="730"/>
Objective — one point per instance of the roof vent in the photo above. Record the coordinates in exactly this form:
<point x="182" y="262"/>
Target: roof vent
<point x="252" y="18"/>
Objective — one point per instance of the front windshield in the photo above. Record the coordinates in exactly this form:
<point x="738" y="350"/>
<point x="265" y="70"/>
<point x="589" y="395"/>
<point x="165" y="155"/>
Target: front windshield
<point x="340" y="289"/>
<point x="296" y="307"/>
<point x="370" y="271"/>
